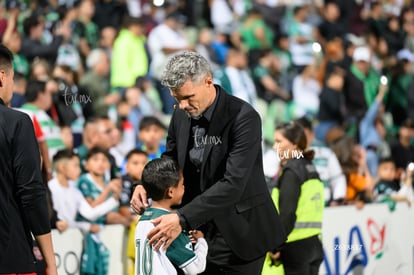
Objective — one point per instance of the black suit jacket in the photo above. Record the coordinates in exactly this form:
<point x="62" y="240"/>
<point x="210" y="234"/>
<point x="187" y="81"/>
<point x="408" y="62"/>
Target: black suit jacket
<point x="233" y="190"/>
<point x="23" y="203"/>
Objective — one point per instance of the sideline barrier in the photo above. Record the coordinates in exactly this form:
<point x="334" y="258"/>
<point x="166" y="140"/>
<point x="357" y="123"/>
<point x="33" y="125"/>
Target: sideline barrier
<point x="69" y="244"/>
<point x="371" y="241"/>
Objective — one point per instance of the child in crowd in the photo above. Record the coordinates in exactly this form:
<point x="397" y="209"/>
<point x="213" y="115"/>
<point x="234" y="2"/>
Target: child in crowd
<point x="164" y="183"/>
<point x="96" y="190"/>
<point x="68" y="201"/>
<point x="151" y="132"/>
<point x="135" y="163"/>
<point x="387" y="189"/>
<point x="136" y="160"/>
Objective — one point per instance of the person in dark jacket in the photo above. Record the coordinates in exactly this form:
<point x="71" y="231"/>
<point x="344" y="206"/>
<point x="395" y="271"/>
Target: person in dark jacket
<point x="23" y="199"/>
<point x="32" y="46"/>
<point x="331" y="105"/>
<point x="216" y="139"/>
<point x="299" y="197"/>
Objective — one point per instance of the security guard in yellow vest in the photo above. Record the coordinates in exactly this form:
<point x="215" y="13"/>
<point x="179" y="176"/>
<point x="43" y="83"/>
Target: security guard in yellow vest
<point x="299" y="198"/>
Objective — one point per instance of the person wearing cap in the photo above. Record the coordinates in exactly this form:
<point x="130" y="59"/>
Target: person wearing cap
<point x="361" y="84"/>
<point x="401" y="85"/>
<point x="165" y="40"/>
<point x="129" y="57"/>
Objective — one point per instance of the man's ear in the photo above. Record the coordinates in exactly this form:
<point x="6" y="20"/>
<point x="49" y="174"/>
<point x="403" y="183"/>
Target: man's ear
<point x="208" y="80"/>
<point x="2" y="73"/>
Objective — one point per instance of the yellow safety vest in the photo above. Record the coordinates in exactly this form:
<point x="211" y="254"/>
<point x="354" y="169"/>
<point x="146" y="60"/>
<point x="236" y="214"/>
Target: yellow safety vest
<point x="309" y="212"/>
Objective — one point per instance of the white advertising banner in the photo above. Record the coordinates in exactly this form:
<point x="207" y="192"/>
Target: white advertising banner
<point x="69" y="246"/>
<point x="373" y="240"/>
<point x="370" y="241"/>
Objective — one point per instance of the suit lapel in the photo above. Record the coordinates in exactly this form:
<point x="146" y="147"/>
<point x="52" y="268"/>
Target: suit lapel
<point x="182" y="141"/>
<point x="218" y="121"/>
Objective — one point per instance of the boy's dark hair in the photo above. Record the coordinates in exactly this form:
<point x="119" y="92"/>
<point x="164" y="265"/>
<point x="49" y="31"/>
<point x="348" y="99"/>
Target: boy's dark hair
<point x="64" y="154"/>
<point x="6" y="59"/>
<point x="159" y="175"/>
<point x="386" y="160"/>
<point x="148" y="121"/>
<point x="33" y="89"/>
<point x="98" y="150"/>
<point x="135" y="151"/>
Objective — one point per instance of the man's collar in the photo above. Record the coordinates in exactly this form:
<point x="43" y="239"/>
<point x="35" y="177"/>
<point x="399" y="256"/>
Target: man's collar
<point x="209" y="112"/>
<point x="1" y="101"/>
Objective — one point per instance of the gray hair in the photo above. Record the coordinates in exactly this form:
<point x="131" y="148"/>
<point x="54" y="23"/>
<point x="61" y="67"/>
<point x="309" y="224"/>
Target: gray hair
<point x="183" y="67"/>
<point x="94" y="57"/>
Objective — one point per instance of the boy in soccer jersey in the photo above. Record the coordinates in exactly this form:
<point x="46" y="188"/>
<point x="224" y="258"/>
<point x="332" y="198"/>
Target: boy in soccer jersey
<point x="164" y="183"/>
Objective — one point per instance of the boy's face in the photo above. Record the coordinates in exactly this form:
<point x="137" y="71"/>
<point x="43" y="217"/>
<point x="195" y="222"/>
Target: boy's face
<point x="135" y="165"/>
<point x="98" y="164"/>
<point x="387" y="171"/>
<point x="177" y="193"/>
<point x="70" y="168"/>
<point x="151" y="136"/>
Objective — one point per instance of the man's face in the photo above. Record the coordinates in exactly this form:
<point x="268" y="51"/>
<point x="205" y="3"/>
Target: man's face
<point x="37" y="31"/>
<point x="7" y="82"/>
<point x="47" y="97"/>
<point x="104" y="65"/>
<point x="195" y="98"/>
<point x="363" y="66"/>
<point x="104" y="134"/>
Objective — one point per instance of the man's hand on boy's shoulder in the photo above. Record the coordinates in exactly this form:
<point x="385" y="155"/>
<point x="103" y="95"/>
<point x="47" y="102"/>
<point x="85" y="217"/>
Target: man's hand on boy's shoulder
<point x="139" y="201"/>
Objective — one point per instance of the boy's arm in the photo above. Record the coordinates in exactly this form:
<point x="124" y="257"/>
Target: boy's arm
<point x="92" y="213"/>
<point x="199" y="264"/>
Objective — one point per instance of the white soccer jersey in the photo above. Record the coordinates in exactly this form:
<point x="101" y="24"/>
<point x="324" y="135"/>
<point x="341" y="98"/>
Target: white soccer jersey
<point x="330" y="171"/>
<point x="150" y="262"/>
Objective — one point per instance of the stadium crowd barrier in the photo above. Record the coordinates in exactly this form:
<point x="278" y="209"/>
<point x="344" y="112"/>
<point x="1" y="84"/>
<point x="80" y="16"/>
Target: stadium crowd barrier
<point x="373" y="240"/>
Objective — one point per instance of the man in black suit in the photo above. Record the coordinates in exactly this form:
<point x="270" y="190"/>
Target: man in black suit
<point x="216" y="139"/>
<point x="23" y="202"/>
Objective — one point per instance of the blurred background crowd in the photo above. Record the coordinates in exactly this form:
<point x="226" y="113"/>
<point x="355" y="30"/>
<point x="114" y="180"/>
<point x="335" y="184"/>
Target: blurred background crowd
<point x="87" y="72"/>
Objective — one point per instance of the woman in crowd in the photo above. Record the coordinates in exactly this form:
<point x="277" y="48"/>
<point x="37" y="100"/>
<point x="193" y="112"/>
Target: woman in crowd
<point x="299" y="197"/>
